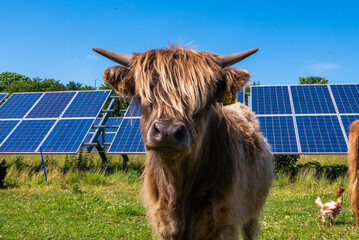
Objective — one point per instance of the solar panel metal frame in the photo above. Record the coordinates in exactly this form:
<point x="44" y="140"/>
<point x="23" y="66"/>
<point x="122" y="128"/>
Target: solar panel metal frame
<point x="56" y="119"/>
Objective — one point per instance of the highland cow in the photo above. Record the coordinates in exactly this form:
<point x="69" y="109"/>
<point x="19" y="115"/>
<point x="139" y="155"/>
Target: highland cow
<point x="354" y="168"/>
<point x="208" y="169"/>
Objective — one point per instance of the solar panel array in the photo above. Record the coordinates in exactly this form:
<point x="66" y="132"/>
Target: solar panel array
<point x="298" y="119"/>
<point x="317" y="117"/>
<point x="56" y="122"/>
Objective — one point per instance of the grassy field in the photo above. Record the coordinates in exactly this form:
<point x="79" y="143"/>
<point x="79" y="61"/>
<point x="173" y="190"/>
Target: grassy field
<point x="98" y="205"/>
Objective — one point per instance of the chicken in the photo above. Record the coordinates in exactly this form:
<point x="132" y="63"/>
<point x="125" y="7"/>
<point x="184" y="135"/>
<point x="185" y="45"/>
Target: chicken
<point x="332" y="208"/>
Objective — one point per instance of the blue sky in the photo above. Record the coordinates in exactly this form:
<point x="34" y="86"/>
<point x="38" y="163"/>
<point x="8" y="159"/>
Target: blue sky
<point x="53" y="39"/>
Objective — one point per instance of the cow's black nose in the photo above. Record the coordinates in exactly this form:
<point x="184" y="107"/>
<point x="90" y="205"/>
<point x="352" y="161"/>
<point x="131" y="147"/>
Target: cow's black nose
<point x="167" y="132"/>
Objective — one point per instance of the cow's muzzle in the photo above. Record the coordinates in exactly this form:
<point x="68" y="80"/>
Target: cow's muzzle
<point x="168" y="137"/>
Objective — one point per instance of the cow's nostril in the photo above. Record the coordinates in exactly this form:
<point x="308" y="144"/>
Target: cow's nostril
<point x="156" y="128"/>
<point x="180" y="133"/>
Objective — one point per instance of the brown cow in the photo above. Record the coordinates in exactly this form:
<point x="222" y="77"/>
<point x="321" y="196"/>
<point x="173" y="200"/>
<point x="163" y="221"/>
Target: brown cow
<point x="208" y="169"/>
<point x="354" y="169"/>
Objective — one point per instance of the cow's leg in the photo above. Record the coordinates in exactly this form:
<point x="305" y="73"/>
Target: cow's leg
<point x="250" y="229"/>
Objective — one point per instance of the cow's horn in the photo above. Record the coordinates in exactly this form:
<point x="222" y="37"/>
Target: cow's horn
<point x="121" y="58"/>
<point x="228" y="60"/>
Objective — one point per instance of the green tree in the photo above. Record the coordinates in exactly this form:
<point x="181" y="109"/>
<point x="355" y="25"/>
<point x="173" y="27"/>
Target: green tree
<point x="120" y="103"/>
<point x="312" y="80"/>
<point x="7" y="78"/>
<point x="75" y="86"/>
<point x="11" y="82"/>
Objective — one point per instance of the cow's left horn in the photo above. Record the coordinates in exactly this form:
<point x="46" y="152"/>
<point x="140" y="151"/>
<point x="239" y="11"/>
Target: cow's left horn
<point x="121" y="58"/>
<point x="228" y="60"/>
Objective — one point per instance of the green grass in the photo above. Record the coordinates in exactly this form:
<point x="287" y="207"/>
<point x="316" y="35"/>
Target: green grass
<point x="100" y="205"/>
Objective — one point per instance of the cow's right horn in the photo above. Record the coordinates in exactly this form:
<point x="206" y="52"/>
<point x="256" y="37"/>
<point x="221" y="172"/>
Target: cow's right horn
<point x="121" y="58"/>
<point x="228" y="60"/>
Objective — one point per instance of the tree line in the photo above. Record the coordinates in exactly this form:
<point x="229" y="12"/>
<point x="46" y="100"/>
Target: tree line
<point x="11" y="82"/>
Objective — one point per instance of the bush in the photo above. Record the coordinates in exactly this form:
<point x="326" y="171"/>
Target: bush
<point x="286" y="164"/>
<point x="330" y="172"/>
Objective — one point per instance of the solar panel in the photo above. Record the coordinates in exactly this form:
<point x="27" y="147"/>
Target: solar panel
<point x="271" y="100"/>
<point x="312" y="99"/>
<point x="280" y="133"/>
<point x="67" y="136"/>
<point x="18" y="104"/>
<point x="128" y="138"/>
<point x="27" y="136"/>
<point x="112" y="121"/>
<point x="51" y="105"/>
<point x="240" y="96"/>
<point x="108" y="137"/>
<point x="87" y="104"/>
<point x="6" y="127"/>
<point x="346" y="97"/>
<point x="2" y="96"/>
<point x="348" y="120"/>
<point x="134" y="109"/>
<point x="320" y="134"/>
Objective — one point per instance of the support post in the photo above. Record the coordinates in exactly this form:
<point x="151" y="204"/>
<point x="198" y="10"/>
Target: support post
<point x="101" y="151"/>
<point x="124" y="160"/>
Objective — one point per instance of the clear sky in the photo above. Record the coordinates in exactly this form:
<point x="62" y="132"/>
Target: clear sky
<point x="53" y="39"/>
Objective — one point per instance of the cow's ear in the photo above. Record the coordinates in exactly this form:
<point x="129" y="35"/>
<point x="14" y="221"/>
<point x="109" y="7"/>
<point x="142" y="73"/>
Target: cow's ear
<point x="232" y="80"/>
<point x="120" y="79"/>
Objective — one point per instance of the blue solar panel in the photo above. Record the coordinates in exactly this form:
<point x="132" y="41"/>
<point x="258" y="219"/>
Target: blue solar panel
<point x="67" y="136"/>
<point x="2" y="96"/>
<point x="346" y="97"/>
<point x="321" y="134"/>
<point x="108" y="137"/>
<point x="112" y="121"/>
<point x="27" y="136"/>
<point x="18" y="105"/>
<point x="347" y="121"/>
<point x="87" y="104"/>
<point x="280" y="133"/>
<point x="312" y="99"/>
<point x="134" y="110"/>
<point x="271" y="100"/>
<point x="6" y="127"/>
<point x="128" y="138"/>
<point x="51" y="105"/>
<point x="240" y="96"/>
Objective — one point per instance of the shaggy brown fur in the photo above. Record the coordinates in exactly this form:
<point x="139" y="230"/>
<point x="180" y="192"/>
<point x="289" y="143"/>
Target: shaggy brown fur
<point x="354" y="168"/>
<point x="219" y="182"/>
